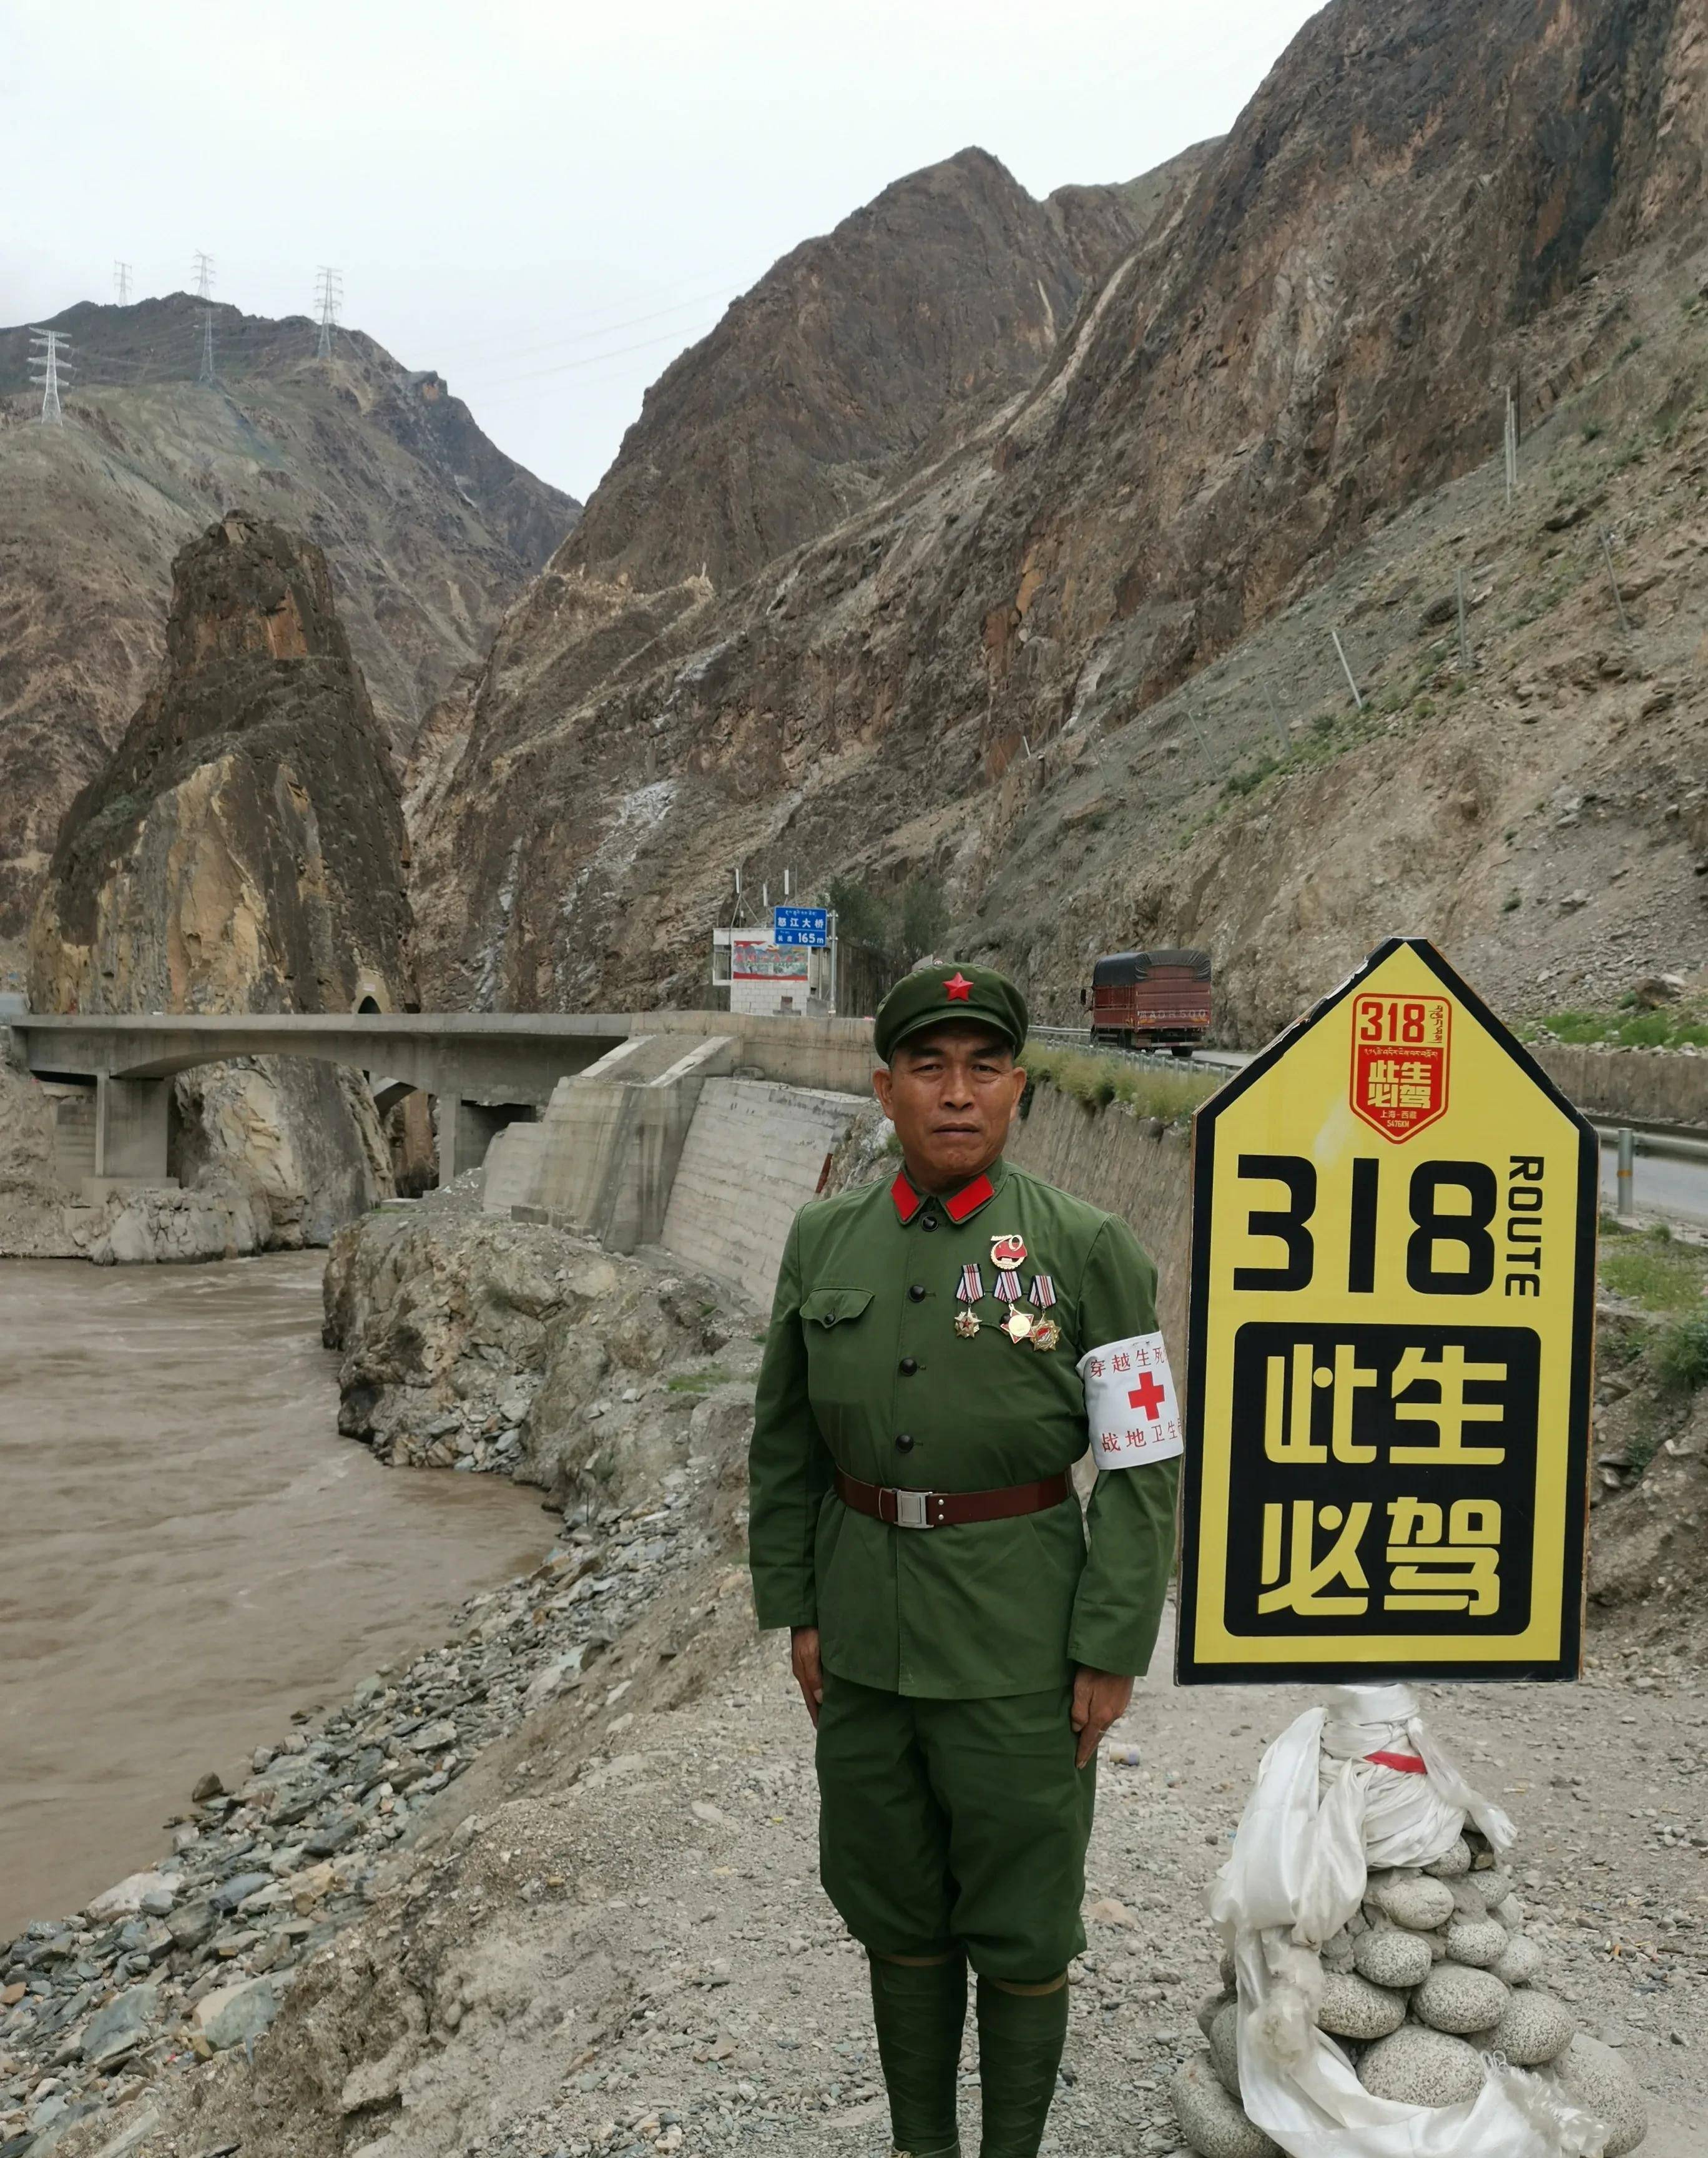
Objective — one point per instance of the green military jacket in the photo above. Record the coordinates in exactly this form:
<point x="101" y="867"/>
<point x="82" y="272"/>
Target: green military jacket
<point x="864" y="1370"/>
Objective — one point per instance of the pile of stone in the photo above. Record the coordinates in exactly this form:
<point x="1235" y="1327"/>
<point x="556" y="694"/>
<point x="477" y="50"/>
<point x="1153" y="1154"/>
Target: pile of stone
<point x="193" y="1956"/>
<point x="1434" y="1973"/>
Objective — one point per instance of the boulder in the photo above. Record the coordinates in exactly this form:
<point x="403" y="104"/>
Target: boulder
<point x="1351" y="2007"/>
<point x="1388" y="1955"/>
<point x="1210" y="2120"/>
<point x="232" y="2015"/>
<point x="121" y="2025"/>
<point x="1593" y="2076"/>
<point x="1225" y="2047"/>
<point x="1420" y="2067"/>
<point x="136" y="1893"/>
<point x="1534" y="2028"/>
<point x="1453" y="1864"/>
<point x="1459" y="1999"/>
<point x="1519" y="1962"/>
<point x="1413" y="1900"/>
<point x="1480" y="1942"/>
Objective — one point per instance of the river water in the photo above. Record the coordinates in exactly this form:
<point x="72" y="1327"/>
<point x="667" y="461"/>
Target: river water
<point x="188" y="1551"/>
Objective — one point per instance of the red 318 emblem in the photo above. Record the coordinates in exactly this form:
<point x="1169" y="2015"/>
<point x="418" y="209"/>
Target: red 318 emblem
<point x="1400" y="1051"/>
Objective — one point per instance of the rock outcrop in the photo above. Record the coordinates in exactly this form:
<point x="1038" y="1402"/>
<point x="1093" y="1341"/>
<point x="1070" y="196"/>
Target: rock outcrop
<point x="1421" y="207"/>
<point x="847" y="360"/>
<point x="430" y="530"/>
<point x="245" y="851"/>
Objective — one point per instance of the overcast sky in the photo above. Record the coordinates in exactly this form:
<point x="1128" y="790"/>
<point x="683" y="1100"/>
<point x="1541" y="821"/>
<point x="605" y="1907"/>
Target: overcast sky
<point x="546" y="202"/>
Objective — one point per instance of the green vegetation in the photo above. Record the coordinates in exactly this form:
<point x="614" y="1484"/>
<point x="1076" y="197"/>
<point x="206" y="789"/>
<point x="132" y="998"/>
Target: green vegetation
<point x="901" y="927"/>
<point x="1097" y="1080"/>
<point x="1649" y="1269"/>
<point x="698" y="1382"/>
<point x="1681" y="1356"/>
<point x="1681" y="1026"/>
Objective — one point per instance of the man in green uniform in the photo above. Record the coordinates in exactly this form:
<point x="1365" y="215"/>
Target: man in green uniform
<point x="941" y="1350"/>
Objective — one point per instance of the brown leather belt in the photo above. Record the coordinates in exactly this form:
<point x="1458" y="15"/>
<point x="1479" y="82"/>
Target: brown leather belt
<point x="948" y="1510"/>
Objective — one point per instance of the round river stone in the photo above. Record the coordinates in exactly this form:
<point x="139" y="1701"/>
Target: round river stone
<point x="1534" y="2028"/>
<point x="1418" y="2066"/>
<point x="1519" y="1962"/>
<point x="1387" y="1955"/>
<point x="1210" y="2120"/>
<point x="1352" y="2008"/>
<point x="1480" y="1942"/>
<point x="1209" y="2009"/>
<point x="1457" y="1999"/>
<point x="1469" y="1901"/>
<point x="1225" y="2047"/>
<point x="1413" y="1900"/>
<point x="1497" y="1884"/>
<point x="1595" y="2076"/>
<point x="1452" y="1865"/>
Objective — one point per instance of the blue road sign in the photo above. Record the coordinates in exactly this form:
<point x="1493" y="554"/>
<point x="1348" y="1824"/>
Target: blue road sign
<point x="800" y="925"/>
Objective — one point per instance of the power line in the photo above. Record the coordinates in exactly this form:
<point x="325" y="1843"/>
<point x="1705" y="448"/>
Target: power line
<point x="619" y="352"/>
<point x="121" y="283"/>
<point x="328" y="298"/>
<point x="45" y="365"/>
<point x="720" y="293"/>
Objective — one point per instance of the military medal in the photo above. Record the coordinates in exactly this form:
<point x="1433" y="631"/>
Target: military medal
<point x="1018" y="1324"/>
<point x="1007" y="1254"/>
<point x="1045" y="1333"/>
<point x="970" y="1293"/>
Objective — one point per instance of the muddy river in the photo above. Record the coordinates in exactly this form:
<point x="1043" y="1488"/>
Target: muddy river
<point x="188" y="1551"/>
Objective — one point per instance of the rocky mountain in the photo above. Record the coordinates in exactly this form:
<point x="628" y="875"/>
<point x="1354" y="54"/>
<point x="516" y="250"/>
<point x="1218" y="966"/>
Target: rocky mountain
<point x="991" y="663"/>
<point x="245" y="851"/>
<point x="847" y="361"/>
<point x="430" y="529"/>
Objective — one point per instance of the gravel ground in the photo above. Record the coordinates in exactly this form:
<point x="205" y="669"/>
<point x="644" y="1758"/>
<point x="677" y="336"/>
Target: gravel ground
<point x="630" y="1952"/>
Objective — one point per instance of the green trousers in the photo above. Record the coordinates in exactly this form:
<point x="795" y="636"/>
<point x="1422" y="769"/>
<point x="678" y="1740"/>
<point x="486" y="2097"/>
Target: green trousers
<point x="956" y="1824"/>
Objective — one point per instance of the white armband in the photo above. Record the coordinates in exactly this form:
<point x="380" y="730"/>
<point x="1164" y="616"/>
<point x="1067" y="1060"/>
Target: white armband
<point x="1131" y="1406"/>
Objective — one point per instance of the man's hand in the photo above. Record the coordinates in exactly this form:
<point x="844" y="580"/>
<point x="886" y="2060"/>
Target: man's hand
<point x="809" y="1672"/>
<point x="1100" y="1698"/>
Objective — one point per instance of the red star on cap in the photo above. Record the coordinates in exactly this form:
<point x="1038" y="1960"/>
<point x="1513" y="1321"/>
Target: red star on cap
<point x="958" y="987"/>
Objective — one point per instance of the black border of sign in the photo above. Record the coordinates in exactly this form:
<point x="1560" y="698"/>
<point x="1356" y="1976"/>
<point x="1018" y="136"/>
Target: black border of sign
<point x="1188" y="1670"/>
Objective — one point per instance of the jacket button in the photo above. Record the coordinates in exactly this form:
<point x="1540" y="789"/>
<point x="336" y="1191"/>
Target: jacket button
<point x="916" y="1291"/>
<point x="910" y="1365"/>
<point x="904" y="1441"/>
<point x="928" y="1221"/>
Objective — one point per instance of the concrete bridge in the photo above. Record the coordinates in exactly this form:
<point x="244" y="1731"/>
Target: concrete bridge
<point x="485" y="1070"/>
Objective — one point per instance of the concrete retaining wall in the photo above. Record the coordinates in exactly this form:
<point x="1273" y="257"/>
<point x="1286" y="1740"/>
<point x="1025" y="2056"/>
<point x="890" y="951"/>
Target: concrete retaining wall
<point x="1650" y="1086"/>
<point x="1128" y="1165"/>
<point x="755" y="1153"/>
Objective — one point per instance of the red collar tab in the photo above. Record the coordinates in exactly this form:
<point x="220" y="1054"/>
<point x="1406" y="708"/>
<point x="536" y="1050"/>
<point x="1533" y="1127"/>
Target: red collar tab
<point x="965" y="1204"/>
<point x="968" y="1200"/>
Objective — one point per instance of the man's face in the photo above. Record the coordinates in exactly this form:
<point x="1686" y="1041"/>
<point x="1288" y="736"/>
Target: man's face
<point x="951" y="1091"/>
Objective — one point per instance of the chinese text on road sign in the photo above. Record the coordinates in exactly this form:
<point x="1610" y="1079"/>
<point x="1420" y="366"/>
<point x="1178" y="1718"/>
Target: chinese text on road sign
<point x="800" y="925"/>
<point x="1393" y="1218"/>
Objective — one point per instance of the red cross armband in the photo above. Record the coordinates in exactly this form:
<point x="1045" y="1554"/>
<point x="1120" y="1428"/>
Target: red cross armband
<point x="1131" y="1406"/>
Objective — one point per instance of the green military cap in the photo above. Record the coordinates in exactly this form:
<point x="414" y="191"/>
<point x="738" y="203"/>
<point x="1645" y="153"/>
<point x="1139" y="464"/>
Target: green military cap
<point x="929" y="995"/>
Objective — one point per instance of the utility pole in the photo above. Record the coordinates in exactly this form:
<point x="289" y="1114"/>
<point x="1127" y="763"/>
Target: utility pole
<point x="121" y="283"/>
<point x="203" y="265"/>
<point x="328" y="298"/>
<point x="46" y="362"/>
<point x="1511" y="448"/>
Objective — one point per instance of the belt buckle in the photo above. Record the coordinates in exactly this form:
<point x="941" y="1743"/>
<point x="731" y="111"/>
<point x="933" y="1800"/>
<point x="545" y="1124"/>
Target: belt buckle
<point x="913" y="1509"/>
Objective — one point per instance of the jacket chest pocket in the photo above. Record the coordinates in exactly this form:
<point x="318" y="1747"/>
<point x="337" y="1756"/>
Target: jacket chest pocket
<point x="841" y="1334"/>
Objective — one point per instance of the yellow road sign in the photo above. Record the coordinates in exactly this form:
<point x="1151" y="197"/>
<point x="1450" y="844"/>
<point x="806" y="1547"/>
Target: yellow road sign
<point x="1389" y="1349"/>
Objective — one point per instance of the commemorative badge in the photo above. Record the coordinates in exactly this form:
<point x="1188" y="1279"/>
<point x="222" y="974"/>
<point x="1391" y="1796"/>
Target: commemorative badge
<point x="1007" y="1252"/>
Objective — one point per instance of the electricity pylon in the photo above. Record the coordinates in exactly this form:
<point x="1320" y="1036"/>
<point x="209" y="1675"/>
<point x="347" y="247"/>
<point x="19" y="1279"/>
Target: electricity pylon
<point x="203" y="265"/>
<point x="328" y="298"/>
<point x="46" y="365"/>
<point x="121" y="283"/>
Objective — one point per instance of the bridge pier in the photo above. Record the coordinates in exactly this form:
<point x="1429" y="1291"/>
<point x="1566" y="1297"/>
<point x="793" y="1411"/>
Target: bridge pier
<point x="131" y="1128"/>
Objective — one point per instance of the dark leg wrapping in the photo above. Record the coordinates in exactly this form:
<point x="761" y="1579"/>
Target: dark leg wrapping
<point x="1021" y="2035"/>
<point x="921" y="2011"/>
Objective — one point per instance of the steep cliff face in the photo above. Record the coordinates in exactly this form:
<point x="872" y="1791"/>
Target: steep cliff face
<point x="847" y="358"/>
<point x="429" y="529"/>
<point x="1321" y="329"/>
<point x="245" y="851"/>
